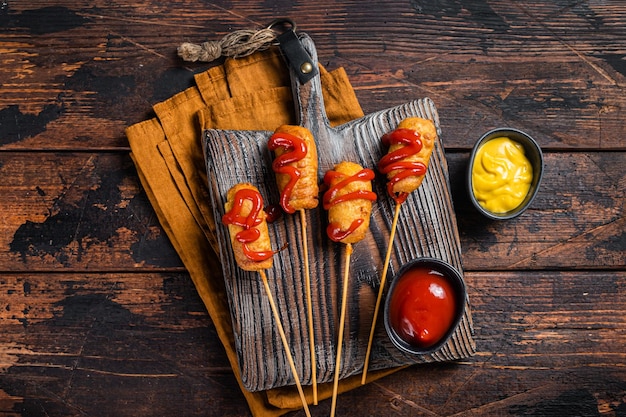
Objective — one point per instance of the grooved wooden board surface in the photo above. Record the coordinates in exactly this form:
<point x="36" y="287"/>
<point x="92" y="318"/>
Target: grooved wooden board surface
<point x="427" y="227"/>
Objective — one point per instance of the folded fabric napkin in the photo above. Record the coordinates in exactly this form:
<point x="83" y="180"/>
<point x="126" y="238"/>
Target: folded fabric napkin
<point x="251" y="93"/>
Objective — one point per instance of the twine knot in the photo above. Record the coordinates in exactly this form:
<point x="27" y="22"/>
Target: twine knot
<point x="235" y="44"/>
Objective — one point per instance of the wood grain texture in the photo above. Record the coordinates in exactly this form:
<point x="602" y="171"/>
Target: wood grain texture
<point x="47" y="218"/>
<point x="577" y="220"/>
<point x="538" y="337"/>
<point x="77" y="212"/>
<point x="110" y="344"/>
<point x="547" y="288"/>
<point x="546" y="339"/>
<point x="427" y="229"/>
<point x="553" y="69"/>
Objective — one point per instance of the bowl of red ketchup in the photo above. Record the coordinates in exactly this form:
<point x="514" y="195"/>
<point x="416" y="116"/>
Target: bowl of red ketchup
<point x="424" y="305"/>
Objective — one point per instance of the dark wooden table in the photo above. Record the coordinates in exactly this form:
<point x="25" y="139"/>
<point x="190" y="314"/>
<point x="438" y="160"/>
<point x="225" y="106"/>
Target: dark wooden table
<point x="99" y="317"/>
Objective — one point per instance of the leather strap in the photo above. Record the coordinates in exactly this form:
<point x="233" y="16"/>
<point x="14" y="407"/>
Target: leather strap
<point x="296" y="56"/>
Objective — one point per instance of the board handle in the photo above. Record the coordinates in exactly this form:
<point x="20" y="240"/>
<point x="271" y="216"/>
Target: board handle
<point x="307" y="96"/>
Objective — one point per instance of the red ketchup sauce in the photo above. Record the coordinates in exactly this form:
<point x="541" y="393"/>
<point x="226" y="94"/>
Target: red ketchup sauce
<point x="295" y="150"/>
<point x="249" y="233"/>
<point x="273" y="213"/>
<point x="330" y="198"/>
<point x="422" y="307"/>
<point x="394" y="161"/>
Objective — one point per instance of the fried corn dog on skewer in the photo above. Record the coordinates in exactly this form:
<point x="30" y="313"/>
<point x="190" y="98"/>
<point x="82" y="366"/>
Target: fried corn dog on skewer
<point x="295" y="166"/>
<point x="247" y="226"/>
<point x="405" y="164"/>
<point x="349" y="204"/>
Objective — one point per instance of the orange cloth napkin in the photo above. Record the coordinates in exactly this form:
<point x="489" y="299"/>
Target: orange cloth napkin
<point x="251" y="93"/>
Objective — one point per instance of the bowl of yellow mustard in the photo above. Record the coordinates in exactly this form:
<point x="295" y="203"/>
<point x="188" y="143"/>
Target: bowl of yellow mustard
<point x="504" y="173"/>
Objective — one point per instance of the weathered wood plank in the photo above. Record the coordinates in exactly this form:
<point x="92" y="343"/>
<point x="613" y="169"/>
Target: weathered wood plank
<point x="555" y="70"/>
<point x="76" y="73"/>
<point x="142" y="344"/>
<point x="548" y="343"/>
<point x="82" y="211"/>
<point x="92" y="210"/>
<point x="484" y="65"/>
<point x="578" y="219"/>
<point x="111" y="344"/>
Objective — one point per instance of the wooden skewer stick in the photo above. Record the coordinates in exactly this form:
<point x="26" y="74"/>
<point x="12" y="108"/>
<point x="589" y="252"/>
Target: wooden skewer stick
<point x="342" y="322"/>
<point x="383" y="278"/>
<point x="285" y="344"/>
<point x="309" y="305"/>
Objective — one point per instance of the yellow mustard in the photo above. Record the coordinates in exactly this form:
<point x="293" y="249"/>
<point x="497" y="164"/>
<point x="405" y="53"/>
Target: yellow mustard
<point x="501" y="175"/>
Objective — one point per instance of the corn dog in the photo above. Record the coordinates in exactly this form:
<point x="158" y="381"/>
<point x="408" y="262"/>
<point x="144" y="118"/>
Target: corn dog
<point x="406" y="161"/>
<point x="405" y="165"/>
<point x="296" y="167"/>
<point x="247" y="226"/>
<point x="348" y="201"/>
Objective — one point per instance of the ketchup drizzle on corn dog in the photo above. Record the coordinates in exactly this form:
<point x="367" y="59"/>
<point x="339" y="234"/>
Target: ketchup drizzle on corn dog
<point x="330" y="199"/>
<point x="393" y="161"/>
<point x="249" y="233"/>
<point x="296" y="150"/>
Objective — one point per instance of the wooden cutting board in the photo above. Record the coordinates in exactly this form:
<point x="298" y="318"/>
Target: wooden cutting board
<point x="427" y="227"/>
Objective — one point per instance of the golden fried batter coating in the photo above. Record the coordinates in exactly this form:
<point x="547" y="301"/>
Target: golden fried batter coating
<point x="428" y="132"/>
<point x="343" y="214"/>
<point x="262" y="244"/>
<point x="305" y="191"/>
